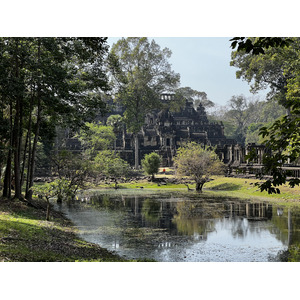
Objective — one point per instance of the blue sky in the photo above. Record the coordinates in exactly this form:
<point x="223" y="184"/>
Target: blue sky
<point x="204" y="65"/>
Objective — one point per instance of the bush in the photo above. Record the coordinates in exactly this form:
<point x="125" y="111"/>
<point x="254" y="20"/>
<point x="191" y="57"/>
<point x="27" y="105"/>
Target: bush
<point x="151" y="163"/>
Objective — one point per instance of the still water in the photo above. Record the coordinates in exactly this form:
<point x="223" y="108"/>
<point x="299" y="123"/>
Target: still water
<point x="177" y="227"/>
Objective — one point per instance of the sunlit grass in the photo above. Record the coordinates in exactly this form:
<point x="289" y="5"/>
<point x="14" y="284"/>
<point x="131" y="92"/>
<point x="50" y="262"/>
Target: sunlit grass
<point x="25" y="235"/>
<point x="241" y="187"/>
<point x="219" y="185"/>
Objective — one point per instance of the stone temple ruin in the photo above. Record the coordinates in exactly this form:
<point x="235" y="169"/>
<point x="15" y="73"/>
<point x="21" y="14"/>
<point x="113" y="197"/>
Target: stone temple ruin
<point x="164" y="131"/>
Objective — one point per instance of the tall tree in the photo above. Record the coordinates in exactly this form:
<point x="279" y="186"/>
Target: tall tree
<point x="116" y="122"/>
<point x="96" y="137"/>
<point x="272" y="69"/>
<point x="240" y="114"/>
<point x="276" y="65"/>
<point x="42" y="79"/>
<point x="196" y="96"/>
<point x="140" y="74"/>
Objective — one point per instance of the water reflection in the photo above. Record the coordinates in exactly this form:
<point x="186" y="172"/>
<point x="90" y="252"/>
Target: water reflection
<point x="169" y="228"/>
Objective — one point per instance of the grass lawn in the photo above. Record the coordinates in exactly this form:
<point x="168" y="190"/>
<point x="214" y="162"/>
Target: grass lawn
<point x="245" y="188"/>
<point x="220" y="185"/>
<point x="26" y="236"/>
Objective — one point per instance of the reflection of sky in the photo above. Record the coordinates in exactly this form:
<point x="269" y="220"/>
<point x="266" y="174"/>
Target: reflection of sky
<point x="235" y="240"/>
<point x="241" y="232"/>
<point x="225" y="239"/>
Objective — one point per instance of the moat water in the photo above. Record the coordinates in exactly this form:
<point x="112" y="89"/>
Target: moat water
<point x="181" y="227"/>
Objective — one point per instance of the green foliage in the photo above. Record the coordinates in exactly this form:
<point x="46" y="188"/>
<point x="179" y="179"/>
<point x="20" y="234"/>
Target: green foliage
<point x="283" y="143"/>
<point x="45" y="82"/>
<point x="258" y="45"/>
<point x="278" y="68"/>
<point x="111" y="165"/>
<point x="47" y="190"/>
<point x="73" y="169"/>
<point x="195" y="96"/>
<point x="140" y="73"/>
<point x="294" y="253"/>
<point x="197" y="162"/>
<point x="96" y="137"/>
<point x="273" y="69"/>
<point x="252" y="134"/>
<point x="240" y="115"/>
<point x="116" y="122"/>
<point x="61" y="188"/>
<point x="151" y="163"/>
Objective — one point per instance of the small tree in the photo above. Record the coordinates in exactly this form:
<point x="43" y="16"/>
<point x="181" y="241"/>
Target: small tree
<point x="60" y="188"/>
<point x="151" y="164"/>
<point x="111" y="165"/>
<point x="197" y="162"/>
<point x="47" y="191"/>
<point x="74" y="171"/>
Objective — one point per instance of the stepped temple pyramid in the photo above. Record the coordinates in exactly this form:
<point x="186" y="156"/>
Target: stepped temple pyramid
<point x="164" y="131"/>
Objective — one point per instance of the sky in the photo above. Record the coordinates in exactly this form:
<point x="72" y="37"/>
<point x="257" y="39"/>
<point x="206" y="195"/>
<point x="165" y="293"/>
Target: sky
<point x="204" y="65"/>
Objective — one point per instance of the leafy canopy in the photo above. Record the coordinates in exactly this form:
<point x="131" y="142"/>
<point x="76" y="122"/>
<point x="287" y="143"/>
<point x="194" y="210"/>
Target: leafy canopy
<point x="95" y="137"/>
<point x="140" y="73"/>
<point x="151" y="163"/>
<point x="197" y="162"/>
<point x="277" y="67"/>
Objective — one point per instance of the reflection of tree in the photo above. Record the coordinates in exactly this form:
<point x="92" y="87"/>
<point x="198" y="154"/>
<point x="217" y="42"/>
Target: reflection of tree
<point x="196" y="217"/>
<point x="100" y="201"/>
<point x="239" y="227"/>
<point x="192" y="226"/>
<point x="151" y="210"/>
<point x="288" y="223"/>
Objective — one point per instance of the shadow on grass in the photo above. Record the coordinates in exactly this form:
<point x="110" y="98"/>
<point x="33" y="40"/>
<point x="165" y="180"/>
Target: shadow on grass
<point x="226" y="187"/>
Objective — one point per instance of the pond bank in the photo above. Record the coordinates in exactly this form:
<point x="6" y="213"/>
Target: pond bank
<point x="25" y="236"/>
<point x="173" y="225"/>
<point x="243" y="188"/>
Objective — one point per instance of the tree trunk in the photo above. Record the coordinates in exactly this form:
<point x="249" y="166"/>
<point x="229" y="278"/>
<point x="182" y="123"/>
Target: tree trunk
<point x="136" y="151"/>
<point x="33" y="153"/>
<point x="37" y="131"/>
<point x="16" y="151"/>
<point x="16" y="131"/>
<point x="115" y="147"/>
<point x="27" y="144"/>
<point x="48" y="210"/>
<point x="24" y="159"/>
<point x="29" y="147"/>
<point x="16" y="146"/>
<point x="199" y="186"/>
<point x="152" y="177"/>
<point x="7" y="176"/>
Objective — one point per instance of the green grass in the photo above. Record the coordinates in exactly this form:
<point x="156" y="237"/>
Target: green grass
<point x="245" y="188"/>
<point x="220" y="186"/>
<point x="26" y="236"/>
